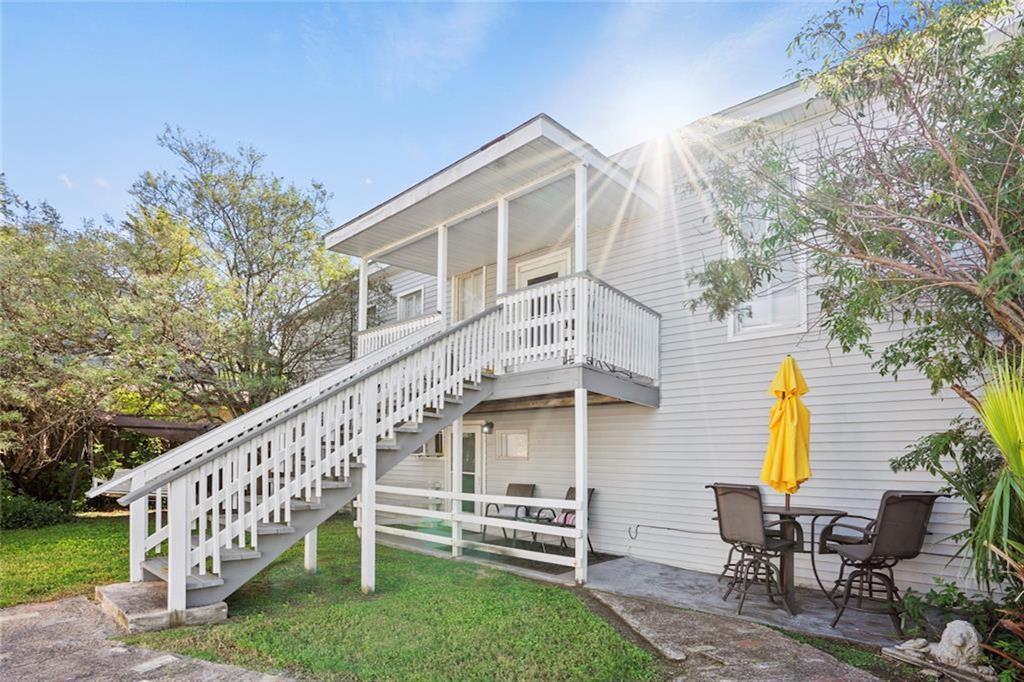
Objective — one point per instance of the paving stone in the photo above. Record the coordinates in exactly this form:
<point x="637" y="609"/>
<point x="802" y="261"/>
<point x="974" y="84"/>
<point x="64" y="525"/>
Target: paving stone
<point x="712" y="647"/>
<point x="69" y="639"/>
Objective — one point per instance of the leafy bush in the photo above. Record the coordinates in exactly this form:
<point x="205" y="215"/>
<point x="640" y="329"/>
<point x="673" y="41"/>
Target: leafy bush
<point x="1000" y="525"/>
<point x="963" y="457"/>
<point x="22" y="511"/>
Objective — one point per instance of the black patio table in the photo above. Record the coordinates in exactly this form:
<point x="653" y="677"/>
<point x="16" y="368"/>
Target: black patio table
<point x="792" y="513"/>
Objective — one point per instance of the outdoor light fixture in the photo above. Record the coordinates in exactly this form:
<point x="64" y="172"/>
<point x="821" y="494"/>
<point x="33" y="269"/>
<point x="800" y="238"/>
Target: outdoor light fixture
<point x="488" y="427"/>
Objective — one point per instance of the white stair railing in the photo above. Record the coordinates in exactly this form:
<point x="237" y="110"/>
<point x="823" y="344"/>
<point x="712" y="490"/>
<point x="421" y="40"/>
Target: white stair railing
<point x="242" y="425"/>
<point x="370" y="340"/>
<point x="221" y="499"/>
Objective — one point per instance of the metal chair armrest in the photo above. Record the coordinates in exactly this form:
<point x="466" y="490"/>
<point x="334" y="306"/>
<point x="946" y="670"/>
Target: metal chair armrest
<point x="487" y="509"/>
<point x="540" y="514"/>
<point x="799" y="531"/>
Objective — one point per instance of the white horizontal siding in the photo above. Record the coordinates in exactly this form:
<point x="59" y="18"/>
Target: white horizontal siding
<point x="650" y="466"/>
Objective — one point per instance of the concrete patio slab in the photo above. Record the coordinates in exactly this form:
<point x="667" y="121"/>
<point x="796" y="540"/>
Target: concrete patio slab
<point x="702" y="592"/>
<point x="70" y="639"/>
<point x="712" y="647"/>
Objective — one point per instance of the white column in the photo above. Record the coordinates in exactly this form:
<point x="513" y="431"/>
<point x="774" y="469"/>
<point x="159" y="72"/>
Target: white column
<point x="138" y="527"/>
<point x="580" y="204"/>
<point x="368" y="495"/>
<point x="364" y="267"/>
<point x="178" y="546"/>
<point x="309" y="552"/>
<point x="580" y="409"/>
<point x="456" y="485"/>
<point x="442" y="272"/>
<point x="582" y="285"/>
<point x="501" y="284"/>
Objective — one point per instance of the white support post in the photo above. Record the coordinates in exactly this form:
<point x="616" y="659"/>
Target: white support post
<point x="138" y="528"/>
<point x="580" y="258"/>
<point x="364" y="292"/>
<point x="309" y="552"/>
<point x="368" y="494"/>
<point x="501" y="283"/>
<point x="178" y="546"/>
<point x="582" y="485"/>
<point x="456" y="486"/>
<point x="442" y="272"/>
<point x="580" y="226"/>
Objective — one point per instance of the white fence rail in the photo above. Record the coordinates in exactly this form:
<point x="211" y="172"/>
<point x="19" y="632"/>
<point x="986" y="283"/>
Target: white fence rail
<point x="543" y="322"/>
<point x="371" y="340"/>
<point x="458" y="518"/>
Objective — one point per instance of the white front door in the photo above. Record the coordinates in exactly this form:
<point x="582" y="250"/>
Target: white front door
<point x="468" y="295"/>
<point x="472" y="466"/>
<point x="543" y="268"/>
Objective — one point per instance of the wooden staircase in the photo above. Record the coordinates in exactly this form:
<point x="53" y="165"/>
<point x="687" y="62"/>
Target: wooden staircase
<point x="209" y="515"/>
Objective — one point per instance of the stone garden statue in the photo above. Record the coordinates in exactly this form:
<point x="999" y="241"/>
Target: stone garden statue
<point x="957" y="653"/>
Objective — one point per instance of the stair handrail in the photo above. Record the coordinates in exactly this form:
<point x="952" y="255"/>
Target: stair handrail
<point x="225" y="434"/>
<point x="157" y="482"/>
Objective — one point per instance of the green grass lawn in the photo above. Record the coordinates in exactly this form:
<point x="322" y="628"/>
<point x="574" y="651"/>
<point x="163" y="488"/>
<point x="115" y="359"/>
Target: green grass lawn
<point x="63" y="560"/>
<point x="430" y="619"/>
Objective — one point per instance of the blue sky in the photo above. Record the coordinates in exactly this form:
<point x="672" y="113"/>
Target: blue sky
<point x="367" y="98"/>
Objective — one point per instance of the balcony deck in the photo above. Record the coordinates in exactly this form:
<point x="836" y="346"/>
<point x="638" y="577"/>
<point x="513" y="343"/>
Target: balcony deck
<point x="565" y="334"/>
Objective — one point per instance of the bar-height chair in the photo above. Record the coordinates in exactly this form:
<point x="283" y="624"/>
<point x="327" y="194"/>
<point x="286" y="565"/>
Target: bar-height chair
<point x="870" y="551"/>
<point x="566" y="519"/>
<point x="512" y="512"/>
<point x="741" y="525"/>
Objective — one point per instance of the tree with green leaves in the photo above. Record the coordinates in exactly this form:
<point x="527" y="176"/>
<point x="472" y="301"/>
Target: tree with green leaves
<point x="58" y="336"/>
<point x="907" y="205"/>
<point x="232" y="279"/>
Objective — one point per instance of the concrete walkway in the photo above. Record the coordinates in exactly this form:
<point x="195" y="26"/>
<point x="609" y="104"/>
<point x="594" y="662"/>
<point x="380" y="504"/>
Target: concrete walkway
<point x="703" y="646"/>
<point x="702" y="592"/>
<point x="69" y="639"/>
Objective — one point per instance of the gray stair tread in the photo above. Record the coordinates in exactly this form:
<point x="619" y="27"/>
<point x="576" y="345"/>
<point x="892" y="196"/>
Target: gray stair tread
<point x="158" y="567"/>
<point x="268" y="528"/>
<point x="329" y="484"/>
<point x="233" y="553"/>
<point x="297" y="504"/>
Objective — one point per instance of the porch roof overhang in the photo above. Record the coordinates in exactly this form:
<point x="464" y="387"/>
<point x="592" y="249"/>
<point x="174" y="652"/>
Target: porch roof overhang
<point x="531" y="166"/>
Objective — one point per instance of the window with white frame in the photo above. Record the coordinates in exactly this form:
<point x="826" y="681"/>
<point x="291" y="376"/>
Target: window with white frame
<point x="513" y="444"/>
<point x="780" y="305"/>
<point x="468" y="294"/>
<point x="410" y="304"/>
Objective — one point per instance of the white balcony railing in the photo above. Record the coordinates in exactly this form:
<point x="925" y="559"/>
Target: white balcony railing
<point x="371" y="340"/>
<point x="540" y="323"/>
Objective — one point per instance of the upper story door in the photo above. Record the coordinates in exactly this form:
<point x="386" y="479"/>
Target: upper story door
<point x="468" y="295"/>
<point x="542" y="268"/>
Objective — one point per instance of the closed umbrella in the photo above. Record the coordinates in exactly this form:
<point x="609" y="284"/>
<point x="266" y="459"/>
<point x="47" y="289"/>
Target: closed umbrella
<point x="787" y="460"/>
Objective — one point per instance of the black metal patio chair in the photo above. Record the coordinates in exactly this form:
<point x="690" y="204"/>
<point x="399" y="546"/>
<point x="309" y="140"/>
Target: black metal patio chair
<point x="870" y="551"/>
<point x="567" y="519"/>
<point x="740" y="514"/>
<point x="511" y="512"/>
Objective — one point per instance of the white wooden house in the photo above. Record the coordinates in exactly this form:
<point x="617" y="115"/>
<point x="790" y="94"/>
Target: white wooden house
<point x="541" y="292"/>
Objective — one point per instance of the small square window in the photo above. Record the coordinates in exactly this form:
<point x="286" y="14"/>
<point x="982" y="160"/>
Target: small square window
<point x="514" y="444"/>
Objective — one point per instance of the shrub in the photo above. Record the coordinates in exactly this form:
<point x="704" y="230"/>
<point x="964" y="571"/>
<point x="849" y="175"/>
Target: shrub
<point x="22" y="511"/>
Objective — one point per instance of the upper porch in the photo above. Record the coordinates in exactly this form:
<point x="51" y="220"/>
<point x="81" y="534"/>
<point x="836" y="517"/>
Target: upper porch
<point x="508" y="225"/>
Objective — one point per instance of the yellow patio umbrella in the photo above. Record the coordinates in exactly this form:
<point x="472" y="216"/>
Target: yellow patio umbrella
<point x="787" y="461"/>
